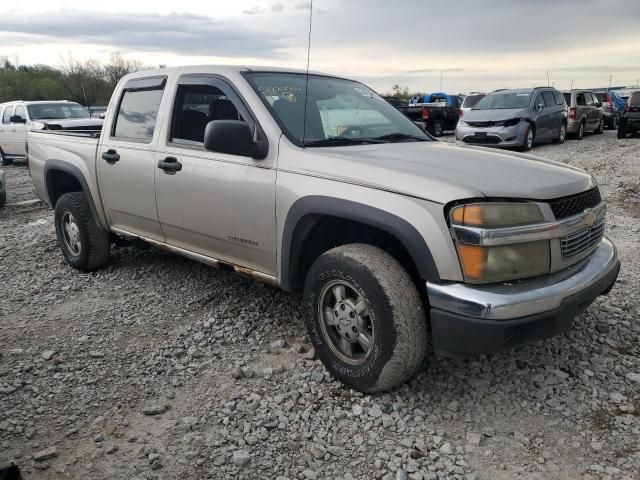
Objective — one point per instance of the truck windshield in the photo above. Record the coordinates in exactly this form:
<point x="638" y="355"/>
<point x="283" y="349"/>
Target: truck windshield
<point x="56" y="111"/>
<point x="501" y="101"/>
<point x="338" y="111"/>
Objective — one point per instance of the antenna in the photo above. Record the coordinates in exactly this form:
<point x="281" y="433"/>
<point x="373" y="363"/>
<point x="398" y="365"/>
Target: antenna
<point x="306" y="86"/>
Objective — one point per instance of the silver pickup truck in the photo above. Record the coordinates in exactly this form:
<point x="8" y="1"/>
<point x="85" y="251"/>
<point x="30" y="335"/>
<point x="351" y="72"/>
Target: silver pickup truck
<point x="316" y="185"/>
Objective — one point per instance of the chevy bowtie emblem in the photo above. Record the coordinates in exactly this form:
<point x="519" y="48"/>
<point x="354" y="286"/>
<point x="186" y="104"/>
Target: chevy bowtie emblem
<point x="589" y="216"/>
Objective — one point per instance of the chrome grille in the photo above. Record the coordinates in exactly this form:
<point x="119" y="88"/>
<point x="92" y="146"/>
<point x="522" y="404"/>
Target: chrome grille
<point x="582" y="240"/>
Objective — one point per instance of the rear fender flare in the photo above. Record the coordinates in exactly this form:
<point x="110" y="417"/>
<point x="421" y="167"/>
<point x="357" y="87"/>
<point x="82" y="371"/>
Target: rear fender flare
<point x="57" y="165"/>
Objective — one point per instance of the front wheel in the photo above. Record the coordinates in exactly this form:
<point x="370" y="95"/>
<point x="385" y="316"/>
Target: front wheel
<point x="529" y="139"/>
<point x="4" y="161"/>
<point x="84" y="244"/>
<point x="365" y="317"/>
<point x="600" y="128"/>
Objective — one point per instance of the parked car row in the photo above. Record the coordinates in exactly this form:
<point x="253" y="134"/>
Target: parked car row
<point x="520" y="118"/>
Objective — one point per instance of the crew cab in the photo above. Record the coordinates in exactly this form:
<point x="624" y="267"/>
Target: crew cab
<point x="17" y="118"/>
<point x="435" y="112"/>
<point x="316" y="185"/>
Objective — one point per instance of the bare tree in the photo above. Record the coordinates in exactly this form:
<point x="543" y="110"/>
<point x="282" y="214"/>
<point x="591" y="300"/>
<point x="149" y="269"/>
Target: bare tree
<point x="118" y="67"/>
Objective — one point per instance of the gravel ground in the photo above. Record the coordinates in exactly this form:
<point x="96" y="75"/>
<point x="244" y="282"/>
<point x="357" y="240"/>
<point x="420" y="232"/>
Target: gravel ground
<point x="157" y="367"/>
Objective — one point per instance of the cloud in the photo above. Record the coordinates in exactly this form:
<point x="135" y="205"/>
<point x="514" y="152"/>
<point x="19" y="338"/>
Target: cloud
<point x="181" y="33"/>
<point x="277" y="7"/>
<point x="257" y="10"/>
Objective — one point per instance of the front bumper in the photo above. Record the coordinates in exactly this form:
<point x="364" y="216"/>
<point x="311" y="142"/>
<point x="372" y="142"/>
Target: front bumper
<point x="486" y="319"/>
<point x="491" y="136"/>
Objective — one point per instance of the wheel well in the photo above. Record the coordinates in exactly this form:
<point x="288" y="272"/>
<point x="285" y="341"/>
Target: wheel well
<point x="60" y="182"/>
<point x="315" y="234"/>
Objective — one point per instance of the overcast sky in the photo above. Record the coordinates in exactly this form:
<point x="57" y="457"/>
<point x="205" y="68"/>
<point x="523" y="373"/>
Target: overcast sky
<point x="473" y="45"/>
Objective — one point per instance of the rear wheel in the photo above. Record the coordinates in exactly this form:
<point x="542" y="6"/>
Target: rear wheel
<point x="580" y="132"/>
<point x="3" y="198"/>
<point x="437" y="128"/>
<point x="84" y="244"/>
<point x="600" y="128"/>
<point x="622" y="132"/>
<point x="562" y="133"/>
<point x="365" y="317"/>
<point x="614" y="123"/>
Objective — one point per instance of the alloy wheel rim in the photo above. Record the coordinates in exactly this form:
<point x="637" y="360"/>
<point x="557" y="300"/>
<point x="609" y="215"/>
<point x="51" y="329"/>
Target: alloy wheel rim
<point x="563" y="131"/>
<point x="529" y="138"/>
<point x="346" y="322"/>
<point x="71" y="234"/>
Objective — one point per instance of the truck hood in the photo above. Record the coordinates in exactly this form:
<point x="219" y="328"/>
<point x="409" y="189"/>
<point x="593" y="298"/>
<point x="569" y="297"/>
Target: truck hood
<point x="495" y="115"/>
<point x="443" y="172"/>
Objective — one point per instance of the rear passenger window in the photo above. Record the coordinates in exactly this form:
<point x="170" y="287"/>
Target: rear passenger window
<point x="559" y="97"/>
<point x="549" y="99"/>
<point x="588" y="98"/>
<point x="136" y="117"/>
<point x="581" y="100"/>
<point x="635" y="99"/>
<point x="7" y="115"/>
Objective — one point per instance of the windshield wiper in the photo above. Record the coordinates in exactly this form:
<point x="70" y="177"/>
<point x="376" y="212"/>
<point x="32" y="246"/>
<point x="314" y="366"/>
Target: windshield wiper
<point x="390" y="137"/>
<point x="341" y="141"/>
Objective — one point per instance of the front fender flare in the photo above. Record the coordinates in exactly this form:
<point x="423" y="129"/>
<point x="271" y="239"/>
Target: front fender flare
<point x="406" y="233"/>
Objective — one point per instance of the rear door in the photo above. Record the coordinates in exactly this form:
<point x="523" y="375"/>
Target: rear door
<point x="543" y="117"/>
<point x="218" y="205"/>
<point x="582" y="108"/>
<point x="555" y="113"/>
<point x="127" y="158"/>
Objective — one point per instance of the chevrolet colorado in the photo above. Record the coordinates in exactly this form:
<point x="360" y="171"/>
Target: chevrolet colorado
<point x="317" y="185"/>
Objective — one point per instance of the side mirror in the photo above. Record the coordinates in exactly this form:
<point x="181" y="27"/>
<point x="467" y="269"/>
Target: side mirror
<point x="17" y="119"/>
<point x="234" y="137"/>
<point x="539" y="107"/>
<point x="102" y="115"/>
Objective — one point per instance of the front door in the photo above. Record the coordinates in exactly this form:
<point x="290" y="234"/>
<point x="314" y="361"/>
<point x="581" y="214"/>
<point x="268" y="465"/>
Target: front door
<point x="218" y="205"/>
<point x="127" y="159"/>
<point x="19" y="131"/>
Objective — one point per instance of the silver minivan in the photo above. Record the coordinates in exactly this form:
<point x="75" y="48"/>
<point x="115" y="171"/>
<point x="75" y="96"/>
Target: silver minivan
<point x="516" y="118"/>
<point x="585" y="113"/>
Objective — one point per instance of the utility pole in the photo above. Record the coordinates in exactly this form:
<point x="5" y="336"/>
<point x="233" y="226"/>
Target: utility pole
<point x="548" y="83"/>
<point x="571" y="85"/>
<point x="610" y="77"/>
<point x="440" y="81"/>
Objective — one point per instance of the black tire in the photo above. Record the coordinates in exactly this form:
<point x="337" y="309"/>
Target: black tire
<point x="600" y="128"/>
<point x="4" y="161"/>
<point x="3" y="198"/>
<point x="437" y="127"/>
<point x="622" y="132"/>
<point x="93" y="242"/>
<point x="562" y="134"/>
<point x="528" y="142"/>
<point x="613" y="125"/>
<point x="579" y="135"/>
<point x="392" y="309"/>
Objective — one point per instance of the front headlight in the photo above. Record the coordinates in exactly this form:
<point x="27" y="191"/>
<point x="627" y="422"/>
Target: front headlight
<point x="496" y="214"/>
<point x="487" y="264"/>
<point x="508" y="123"/>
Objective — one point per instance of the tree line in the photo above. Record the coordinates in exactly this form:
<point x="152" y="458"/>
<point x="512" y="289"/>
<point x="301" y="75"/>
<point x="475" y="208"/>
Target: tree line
<point x="89" y="82"/>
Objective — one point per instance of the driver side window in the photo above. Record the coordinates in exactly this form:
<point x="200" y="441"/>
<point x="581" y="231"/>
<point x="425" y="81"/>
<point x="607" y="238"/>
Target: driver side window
<point x="195" y="106"/>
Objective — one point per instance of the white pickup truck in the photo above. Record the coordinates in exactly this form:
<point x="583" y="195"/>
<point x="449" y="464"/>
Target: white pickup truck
<point x="316" y="185"/>
<point x="17" y="118"/>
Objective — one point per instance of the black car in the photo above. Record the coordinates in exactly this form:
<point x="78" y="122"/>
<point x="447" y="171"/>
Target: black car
<point x="630" y="118"/>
